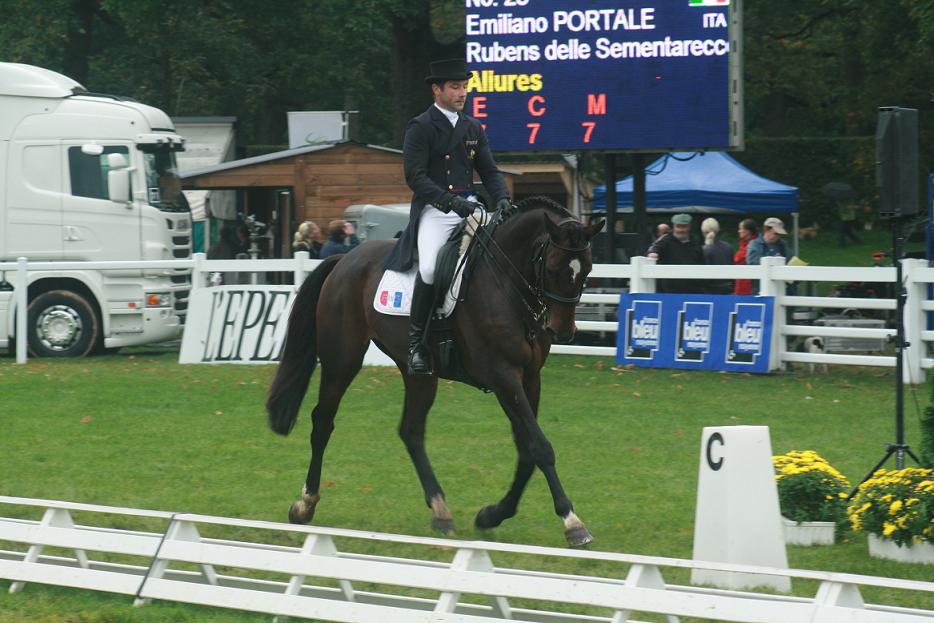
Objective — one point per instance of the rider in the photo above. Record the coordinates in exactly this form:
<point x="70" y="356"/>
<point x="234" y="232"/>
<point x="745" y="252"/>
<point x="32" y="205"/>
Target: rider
<point x="442" y="148"/>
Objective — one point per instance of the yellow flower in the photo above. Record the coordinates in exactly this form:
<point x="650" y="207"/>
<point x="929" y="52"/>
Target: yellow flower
<point x="888" y="529"/>
<point x="895" y="507"/>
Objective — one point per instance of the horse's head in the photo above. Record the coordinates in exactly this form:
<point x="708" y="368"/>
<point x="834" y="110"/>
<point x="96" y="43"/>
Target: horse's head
<point x="565" y="263"/>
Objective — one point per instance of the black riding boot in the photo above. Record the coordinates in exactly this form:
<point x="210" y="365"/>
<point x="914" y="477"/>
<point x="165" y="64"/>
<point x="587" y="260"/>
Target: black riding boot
<point x="423" y="302"/>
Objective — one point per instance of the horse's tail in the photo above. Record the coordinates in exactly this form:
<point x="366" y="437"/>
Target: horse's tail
<point x="300" y="355"/>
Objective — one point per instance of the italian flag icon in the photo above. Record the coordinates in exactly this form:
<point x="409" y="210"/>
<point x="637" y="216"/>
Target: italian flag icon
<point x="708" y="2"/>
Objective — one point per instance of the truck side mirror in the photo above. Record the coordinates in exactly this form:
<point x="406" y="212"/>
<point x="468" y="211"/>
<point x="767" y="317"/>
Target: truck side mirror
<point x="118" y="178"/>
<point x="92" y="149"/>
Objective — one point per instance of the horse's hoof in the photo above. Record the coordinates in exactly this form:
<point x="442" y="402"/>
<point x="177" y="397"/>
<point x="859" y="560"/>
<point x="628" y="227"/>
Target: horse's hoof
<point x="303" y="511"/>
<point x="300" y="513"/>
<point x="443" y="525"/>
<point x="486" y="518"/>
<point x="578" y="536"/>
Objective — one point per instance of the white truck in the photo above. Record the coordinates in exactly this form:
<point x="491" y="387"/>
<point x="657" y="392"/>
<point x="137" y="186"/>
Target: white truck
<point x="88" y="177"/>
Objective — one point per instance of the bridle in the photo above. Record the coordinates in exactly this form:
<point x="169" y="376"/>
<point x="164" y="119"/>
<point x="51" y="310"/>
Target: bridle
<point x="539" y="262"/>
<point x="533" y="297"/>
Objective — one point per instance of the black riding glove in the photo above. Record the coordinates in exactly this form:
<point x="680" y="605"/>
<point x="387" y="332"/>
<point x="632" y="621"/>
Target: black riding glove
<point x="504" y="204"/>
<point x="460" y="206"/>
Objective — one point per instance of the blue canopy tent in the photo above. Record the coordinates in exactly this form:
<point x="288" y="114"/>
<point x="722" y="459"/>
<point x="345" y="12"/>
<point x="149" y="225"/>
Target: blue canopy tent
<point x="710" y="182"/>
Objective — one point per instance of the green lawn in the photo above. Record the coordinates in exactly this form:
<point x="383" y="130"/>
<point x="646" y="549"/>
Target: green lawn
<point x="139" y="430"/>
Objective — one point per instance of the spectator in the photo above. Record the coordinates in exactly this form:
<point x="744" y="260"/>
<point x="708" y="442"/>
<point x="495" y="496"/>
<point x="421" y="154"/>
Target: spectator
<point x="716" y="252"/>
<point x="748" y="231"/>
<point x="846" y="213"/>
<point x="676" y="247"/>
<point x="308" y="238"/>
<point x="341" y="239"/>
<point x="229" y="243"/>
<point x="661" y="229"/>
<point x="770" y="244"/>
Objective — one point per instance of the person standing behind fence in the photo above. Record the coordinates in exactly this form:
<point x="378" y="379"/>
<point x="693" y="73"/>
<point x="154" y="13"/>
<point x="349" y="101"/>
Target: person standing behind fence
<point x="748" y="231"/>
<point x="769" y="244"/>
<point x="341" y="239"/>
<point x="307" y="238"/>
<point x="716" y="253"/>
<point x="677" y="247"/>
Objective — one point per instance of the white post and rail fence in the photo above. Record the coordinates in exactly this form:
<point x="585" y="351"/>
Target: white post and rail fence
<point x="364" y="577"/>
<point x="860" y="341"/>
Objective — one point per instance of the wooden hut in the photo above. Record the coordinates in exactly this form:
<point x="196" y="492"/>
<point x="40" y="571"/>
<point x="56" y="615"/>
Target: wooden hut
<point x="317" y="183"/>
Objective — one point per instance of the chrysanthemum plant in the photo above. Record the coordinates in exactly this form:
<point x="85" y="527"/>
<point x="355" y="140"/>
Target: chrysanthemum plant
<point x="809" y="489"/>
<point x="897" y="504"/>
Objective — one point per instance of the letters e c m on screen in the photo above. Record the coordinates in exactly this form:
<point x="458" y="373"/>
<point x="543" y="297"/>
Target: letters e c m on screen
<point x="623" y="75"/>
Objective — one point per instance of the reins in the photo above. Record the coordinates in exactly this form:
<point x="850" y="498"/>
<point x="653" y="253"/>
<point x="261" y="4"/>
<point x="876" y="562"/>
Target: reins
<point x="532" y="297"/>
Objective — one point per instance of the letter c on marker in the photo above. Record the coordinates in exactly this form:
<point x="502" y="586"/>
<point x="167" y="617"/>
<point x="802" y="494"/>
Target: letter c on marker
<point x="719" y="462"/>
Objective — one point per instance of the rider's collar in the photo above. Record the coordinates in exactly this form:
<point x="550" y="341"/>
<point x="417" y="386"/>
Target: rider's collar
<point x="452" y="116"/>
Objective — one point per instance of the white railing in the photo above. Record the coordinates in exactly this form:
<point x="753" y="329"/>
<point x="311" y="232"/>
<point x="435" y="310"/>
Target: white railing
<point x="168" y="556"/>
<point x="641" y="275"/>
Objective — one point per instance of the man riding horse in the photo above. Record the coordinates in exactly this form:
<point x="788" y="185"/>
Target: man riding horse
<point x="527" y="280"/>
<point x="442" y="148"/>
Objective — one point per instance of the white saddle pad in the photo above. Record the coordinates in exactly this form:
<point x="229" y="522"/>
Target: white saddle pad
<point x="394" y="294"/>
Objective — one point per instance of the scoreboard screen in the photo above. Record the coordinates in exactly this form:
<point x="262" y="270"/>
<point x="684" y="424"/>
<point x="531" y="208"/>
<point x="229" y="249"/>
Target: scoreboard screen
<point x="620" y="75"/>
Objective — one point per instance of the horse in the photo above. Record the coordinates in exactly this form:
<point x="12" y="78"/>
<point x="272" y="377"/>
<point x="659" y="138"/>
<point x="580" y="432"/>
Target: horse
<point x="521" y="295"/>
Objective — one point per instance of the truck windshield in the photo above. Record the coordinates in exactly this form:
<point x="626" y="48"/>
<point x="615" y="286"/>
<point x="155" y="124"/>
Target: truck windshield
<point x="162" y="182"/>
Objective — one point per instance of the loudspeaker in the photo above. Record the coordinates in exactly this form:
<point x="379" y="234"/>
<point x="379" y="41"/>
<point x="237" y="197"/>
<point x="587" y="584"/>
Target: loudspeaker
<point x="897" y="161"/>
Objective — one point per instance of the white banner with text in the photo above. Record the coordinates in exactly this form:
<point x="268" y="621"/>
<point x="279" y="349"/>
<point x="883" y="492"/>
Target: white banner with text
<point x="236" y="324"/>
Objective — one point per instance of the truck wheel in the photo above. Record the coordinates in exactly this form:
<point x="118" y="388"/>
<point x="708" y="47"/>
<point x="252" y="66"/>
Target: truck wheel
<point x="62" y="324"/>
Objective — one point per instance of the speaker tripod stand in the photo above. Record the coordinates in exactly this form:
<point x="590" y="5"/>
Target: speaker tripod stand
<point x="900" y="448"/>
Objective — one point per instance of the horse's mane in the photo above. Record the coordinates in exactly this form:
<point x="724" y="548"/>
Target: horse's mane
<point x="547" y="204"/>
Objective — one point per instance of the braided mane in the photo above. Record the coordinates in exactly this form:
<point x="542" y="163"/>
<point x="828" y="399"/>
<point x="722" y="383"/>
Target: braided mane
<point x="548" y="204"/>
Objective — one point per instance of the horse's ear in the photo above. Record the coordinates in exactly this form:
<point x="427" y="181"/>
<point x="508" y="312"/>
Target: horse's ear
<point x="552" y="228"/>
<point x="591" y="230"/>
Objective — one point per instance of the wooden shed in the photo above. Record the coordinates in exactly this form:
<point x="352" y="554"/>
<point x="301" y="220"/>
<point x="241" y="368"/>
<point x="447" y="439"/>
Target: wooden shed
<point x="317" y="182"/>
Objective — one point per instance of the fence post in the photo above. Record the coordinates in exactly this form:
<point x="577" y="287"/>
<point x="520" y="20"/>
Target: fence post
<point x="198" y="276"/>
<point x="637" y="283"/>
<point x="770" y="286"/>
<point x="22" y="308"/>
<point x="914" y="321"/>
<point x="300" y="258"/>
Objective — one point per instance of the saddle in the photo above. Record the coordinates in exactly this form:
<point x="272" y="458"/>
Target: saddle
<point x="455" y="264"/>
<point x="455" y="260"/>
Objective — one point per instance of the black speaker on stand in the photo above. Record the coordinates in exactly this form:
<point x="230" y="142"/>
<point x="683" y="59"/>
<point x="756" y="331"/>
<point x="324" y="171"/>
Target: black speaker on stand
<point x="897" y="162"/>
<point x="897" y="185"/>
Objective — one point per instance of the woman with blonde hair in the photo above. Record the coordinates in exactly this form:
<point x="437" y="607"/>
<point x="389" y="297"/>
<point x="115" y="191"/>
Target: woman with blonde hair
<point x="716" y="252"/>
<point x="308" y="238"/>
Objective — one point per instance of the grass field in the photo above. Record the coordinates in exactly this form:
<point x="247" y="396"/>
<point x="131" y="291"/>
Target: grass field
<point x="139" y="430"/>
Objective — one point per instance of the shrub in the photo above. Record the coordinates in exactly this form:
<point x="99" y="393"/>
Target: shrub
<point x="898" y="505"/>
<point x="809" y="489"/>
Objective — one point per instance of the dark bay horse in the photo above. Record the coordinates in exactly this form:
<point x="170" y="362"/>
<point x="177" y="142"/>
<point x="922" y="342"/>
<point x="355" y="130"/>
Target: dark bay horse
<point x="521" y="294"/>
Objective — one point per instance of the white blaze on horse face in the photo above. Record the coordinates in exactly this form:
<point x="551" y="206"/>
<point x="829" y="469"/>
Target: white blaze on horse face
<point x="575" y="269"/>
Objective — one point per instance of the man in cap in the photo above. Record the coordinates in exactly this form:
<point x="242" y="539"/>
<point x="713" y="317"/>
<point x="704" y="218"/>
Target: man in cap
<point x="442" y="149"/>
<point x="677" y="247"/>
<point x="769" y="244"/>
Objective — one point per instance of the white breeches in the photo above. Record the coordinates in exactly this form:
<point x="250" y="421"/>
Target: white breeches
<point x="434" y="229"/>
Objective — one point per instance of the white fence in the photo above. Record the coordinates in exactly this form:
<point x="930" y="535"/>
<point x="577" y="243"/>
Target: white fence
<point x="169" y="556"/>
<point x="641" y="275"/>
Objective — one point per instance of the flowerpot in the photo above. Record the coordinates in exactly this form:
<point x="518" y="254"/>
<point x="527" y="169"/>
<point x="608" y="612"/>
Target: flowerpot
<point x="881" y="547"/>
<point x="808" y="532"/>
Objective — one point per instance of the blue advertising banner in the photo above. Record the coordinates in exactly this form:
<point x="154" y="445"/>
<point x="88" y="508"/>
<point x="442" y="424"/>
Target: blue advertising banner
<point x="694" y="331"/>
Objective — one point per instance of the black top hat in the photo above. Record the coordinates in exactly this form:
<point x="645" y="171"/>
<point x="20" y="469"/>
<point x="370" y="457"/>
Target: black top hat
<point x="448" y="69"/>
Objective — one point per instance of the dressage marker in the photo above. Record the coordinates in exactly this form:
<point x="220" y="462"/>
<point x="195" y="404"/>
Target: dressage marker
<point x="323" y="578"/>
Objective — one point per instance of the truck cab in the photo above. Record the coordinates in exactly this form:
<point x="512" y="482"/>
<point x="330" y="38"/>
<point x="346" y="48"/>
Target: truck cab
<point x="89" y="177"/>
